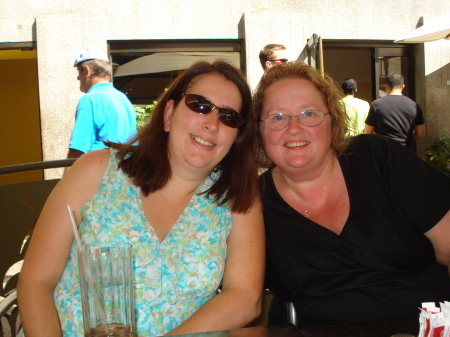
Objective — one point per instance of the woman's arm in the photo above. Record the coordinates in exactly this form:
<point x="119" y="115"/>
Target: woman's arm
<point x="239" y="302"/>
<point x="439" y="236"/>
<point x="49" y="248"/>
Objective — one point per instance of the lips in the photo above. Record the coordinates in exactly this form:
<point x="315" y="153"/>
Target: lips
<point x="202" y="142"/>
<point x="296" y="144"/>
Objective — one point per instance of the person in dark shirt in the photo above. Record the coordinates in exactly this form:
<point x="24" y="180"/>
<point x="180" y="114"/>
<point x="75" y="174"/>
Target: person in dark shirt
<point x="396" y="116"/>
<point x="357" y="229"/>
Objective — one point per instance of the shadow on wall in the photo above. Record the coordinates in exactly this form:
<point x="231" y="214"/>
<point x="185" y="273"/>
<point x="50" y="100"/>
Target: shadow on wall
<point x="436" y="107"/>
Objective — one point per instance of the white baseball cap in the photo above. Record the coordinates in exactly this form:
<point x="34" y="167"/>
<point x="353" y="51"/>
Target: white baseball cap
<point x="90" y="54"/>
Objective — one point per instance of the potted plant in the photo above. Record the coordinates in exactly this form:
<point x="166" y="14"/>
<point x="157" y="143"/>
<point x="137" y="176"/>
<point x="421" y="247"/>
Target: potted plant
<point x="143" y="115"/>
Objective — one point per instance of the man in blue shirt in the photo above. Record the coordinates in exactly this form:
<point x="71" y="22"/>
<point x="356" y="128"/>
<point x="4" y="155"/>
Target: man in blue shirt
<point x="103" y="113"/>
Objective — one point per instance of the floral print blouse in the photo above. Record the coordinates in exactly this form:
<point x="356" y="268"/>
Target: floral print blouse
<point x="172" y="279"/>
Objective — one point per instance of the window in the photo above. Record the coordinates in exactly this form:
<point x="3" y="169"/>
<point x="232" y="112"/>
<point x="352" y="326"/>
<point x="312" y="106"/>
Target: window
<point x="142" y="69"/>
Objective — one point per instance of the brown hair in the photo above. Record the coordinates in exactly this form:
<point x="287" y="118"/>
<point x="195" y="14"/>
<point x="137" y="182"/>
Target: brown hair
<point x="147" y="163"/>
<point x="325" y="84"/>
<point x="267" y="53"/>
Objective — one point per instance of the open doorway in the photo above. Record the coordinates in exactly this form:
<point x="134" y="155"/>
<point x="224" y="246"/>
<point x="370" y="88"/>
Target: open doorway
<point x="356" y="63"/>
<point x="20" y="136"/>
<point x="368" y="62"/>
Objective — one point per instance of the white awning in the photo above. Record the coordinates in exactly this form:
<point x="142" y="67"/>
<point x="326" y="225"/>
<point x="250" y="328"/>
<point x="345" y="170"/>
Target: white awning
<point x="161" y="62"/>
<point x="434" y="30"/>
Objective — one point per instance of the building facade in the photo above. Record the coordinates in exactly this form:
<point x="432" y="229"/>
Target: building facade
<point x="40" y="39"/>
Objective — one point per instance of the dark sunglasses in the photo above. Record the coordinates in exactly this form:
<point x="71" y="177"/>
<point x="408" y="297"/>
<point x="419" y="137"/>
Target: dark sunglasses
<point x="280" y="60"/>
<point x="202" y="105"/>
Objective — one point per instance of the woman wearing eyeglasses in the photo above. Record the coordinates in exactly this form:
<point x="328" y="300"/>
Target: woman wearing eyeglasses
<point x="186" y="197"/>
<point x="357" y="229"/>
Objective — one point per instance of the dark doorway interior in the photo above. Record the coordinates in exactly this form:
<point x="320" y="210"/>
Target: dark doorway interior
<point x="354" y="63"/>
<point x="368" y="62"/>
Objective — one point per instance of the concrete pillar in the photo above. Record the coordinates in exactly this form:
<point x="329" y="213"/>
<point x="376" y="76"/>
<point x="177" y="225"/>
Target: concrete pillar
<point x="263" y="29"/>
<point x="61" y="37"/>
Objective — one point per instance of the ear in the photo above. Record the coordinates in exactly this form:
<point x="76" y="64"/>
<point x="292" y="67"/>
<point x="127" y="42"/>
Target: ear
<point x="168" y="113"/>
<point x="268" y="64"/>
<point x="86" y="69"/>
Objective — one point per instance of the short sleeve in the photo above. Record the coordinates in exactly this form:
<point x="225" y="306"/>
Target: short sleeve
<point x="420" y="191"/>
<point x="419" y="119"/>
<point x="83" y="134"/>
<point x="370" y="120"/>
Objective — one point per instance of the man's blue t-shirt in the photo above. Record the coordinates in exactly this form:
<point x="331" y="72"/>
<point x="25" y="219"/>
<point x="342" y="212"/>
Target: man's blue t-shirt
<point x="104" y="113"/>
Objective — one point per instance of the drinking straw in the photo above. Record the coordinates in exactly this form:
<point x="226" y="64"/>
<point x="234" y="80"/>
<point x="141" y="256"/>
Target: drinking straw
<point x="98" y="308"/>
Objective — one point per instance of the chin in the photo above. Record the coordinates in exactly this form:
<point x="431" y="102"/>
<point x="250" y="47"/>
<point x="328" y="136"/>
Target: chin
<point x="201" y="164"/>
<point x="298" y="163"/>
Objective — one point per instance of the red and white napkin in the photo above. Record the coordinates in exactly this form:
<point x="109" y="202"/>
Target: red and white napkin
<point x="434" y="321"/>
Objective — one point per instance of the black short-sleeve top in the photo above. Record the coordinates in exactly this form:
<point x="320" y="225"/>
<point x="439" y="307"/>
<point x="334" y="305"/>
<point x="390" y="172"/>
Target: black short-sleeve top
<point x="381" y="265"/>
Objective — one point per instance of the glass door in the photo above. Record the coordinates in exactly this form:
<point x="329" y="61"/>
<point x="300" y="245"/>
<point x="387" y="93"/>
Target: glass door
<point x="388" y="60"/>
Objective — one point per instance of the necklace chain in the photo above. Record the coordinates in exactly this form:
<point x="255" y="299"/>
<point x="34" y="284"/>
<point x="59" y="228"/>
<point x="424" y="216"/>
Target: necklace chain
<point x="306" y="212"/>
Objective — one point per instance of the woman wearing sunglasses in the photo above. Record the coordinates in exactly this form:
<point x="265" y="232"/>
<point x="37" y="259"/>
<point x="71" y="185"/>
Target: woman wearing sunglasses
<point x="186" y="198"/>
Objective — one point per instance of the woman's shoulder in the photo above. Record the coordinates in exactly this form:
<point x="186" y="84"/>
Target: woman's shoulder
<point x="367" y="140"/>
<point x="96" y="160"/>
<point x="90" y="167"/>
<point x="370" y="144"/>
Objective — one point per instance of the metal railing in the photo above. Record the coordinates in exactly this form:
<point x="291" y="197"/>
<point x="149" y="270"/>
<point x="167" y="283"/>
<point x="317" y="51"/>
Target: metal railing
<point x="42" y="165"/>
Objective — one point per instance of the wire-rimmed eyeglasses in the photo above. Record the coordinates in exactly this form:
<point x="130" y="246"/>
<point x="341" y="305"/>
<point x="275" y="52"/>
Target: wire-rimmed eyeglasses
<point x="279" y="121"/>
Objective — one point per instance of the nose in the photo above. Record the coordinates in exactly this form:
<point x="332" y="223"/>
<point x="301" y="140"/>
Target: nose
<point x="212" y="121"/>
<point x="294" y="123"/>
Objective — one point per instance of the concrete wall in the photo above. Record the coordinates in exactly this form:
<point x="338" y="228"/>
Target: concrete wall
<point x="63" y="28"/>
<point x="60" y="37"/>
<point x="435" y="91"/>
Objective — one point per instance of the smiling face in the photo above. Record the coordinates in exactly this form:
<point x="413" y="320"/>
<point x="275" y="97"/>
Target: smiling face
<point x="199" y="141"/>
<point x="296" y="146"/>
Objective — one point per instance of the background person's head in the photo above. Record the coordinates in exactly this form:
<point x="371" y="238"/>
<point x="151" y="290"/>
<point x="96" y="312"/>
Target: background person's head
<point x="271" y="55"/>
<point x="394" y="81"/>
<point x="329" y="89"/>
<point x="150" y="161"/>
<point x="93" y="67"/>
<point x="349" y="86"/>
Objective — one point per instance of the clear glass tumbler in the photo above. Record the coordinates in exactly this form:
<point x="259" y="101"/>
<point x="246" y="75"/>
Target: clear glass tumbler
<point x="107" y="291"/>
